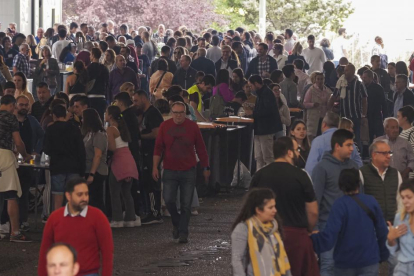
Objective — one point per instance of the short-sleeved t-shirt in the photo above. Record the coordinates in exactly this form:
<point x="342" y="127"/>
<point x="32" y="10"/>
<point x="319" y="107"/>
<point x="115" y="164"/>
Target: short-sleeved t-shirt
<point x="8" y="125"/>
<point x="96" y="140"/>
<point x="293" y="188"/>
<point x="151" y="119"/>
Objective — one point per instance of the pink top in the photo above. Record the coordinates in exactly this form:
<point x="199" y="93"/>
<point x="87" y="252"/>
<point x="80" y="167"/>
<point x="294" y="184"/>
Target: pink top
<point x="225" y="92"/>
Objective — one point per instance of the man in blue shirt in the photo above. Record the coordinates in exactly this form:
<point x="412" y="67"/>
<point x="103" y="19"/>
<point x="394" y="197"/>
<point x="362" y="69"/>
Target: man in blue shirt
<point x="322" y="143"/>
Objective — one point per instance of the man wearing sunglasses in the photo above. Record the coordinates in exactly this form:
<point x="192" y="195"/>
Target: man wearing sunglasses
<point x="403" y="157"/>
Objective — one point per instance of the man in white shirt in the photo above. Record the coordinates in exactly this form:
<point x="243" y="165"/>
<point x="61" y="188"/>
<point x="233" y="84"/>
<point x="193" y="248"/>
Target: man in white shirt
<point x="290" y="42"/>
<point x="339" y="46"/>
<point x="61" y="44"/>
<point x="214" y="52"/>
<point x="315" y="57"/>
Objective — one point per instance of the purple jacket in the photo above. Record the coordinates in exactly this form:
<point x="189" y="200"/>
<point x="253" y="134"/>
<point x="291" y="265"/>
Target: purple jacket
<point x="225" y="92"/>
<point x="117" y="78"/>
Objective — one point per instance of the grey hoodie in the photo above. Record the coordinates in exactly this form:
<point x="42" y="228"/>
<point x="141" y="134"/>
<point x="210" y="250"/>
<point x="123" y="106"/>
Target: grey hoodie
<point x="325" y="178"/>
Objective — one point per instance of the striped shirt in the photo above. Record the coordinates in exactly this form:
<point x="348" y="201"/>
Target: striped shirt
<point x="351" y="105"/>
<point x="408" y="134"/>
<point x="21" y="62"/>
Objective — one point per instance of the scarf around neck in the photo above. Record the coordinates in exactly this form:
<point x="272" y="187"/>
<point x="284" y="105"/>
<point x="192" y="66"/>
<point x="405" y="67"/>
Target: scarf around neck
<point x="266" y="249"/>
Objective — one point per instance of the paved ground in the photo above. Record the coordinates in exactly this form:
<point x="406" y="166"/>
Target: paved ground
<point x="149" y="250"/>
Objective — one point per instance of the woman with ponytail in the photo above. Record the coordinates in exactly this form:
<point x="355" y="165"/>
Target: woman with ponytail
<point x="123" y="170"/>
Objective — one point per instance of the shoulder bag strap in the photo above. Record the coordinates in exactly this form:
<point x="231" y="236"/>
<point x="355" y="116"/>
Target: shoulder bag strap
<point x="159" y="82"/>
<point x="365" y="208"/>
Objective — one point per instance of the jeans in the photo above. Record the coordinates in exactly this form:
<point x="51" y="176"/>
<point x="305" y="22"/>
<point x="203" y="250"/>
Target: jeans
<point x="99" y="104"/>
<point x="263" y="150"/>
<point x="326" y="258"/>
<point x="371" y="270"/>
<point x="96" y="189"/>
<point x="392" y="263"/>
<point x="59" y="182"/>
<point x="185" y="181"/>
<point x="357" y="132"/>
<point x="117" y="189"/>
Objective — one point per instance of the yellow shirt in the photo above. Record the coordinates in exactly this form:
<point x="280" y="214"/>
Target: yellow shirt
<point x="194" y="89"/>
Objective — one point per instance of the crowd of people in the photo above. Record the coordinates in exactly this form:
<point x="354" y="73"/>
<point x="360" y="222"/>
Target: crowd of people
<point x="333" y="144"/>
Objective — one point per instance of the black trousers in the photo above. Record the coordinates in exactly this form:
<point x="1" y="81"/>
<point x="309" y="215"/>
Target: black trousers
<point x="96" y="192"/>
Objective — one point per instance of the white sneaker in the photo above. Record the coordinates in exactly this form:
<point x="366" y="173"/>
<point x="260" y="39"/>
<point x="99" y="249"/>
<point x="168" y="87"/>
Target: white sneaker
<point x="137" y="221"/>
<point x="5" y="228"/>
<point x="194" y="212"/>
<point x="117" y="224"/>
<point x="133" y="223"/>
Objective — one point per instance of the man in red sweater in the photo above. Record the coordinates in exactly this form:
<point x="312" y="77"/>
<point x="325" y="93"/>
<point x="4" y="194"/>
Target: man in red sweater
<point x="84" y="227"/>
<point x="176" y="141"/>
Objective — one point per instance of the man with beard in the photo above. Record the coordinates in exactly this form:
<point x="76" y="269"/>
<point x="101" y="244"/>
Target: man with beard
<point x="296" y="204"/>
<point x="84" y="227"/>
<point x="32" y="136"/>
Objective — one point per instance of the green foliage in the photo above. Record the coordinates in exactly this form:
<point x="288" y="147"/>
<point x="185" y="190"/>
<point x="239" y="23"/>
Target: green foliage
<point x="304" y="17"/>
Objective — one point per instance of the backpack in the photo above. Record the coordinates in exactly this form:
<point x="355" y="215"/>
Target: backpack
<point x="217" y="105"/>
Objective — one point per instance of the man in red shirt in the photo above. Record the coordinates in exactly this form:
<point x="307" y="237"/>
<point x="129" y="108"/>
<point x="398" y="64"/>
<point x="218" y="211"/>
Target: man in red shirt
<point x="84" y="227"/>
<point x="176" y="140"/>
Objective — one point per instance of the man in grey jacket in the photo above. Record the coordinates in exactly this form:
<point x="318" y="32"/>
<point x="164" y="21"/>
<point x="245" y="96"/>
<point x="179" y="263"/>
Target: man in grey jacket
<point x="325" y="178"/>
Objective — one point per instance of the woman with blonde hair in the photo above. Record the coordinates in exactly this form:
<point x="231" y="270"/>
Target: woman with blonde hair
<point x="316" y="105"/>
<point x="400" y="239"/>
<point x="127" y="87"/>
<point x="30" y="39"/>
<point x="257" y="40"/>
<point x="297" y="54"/>
<point x="109" y="59"/>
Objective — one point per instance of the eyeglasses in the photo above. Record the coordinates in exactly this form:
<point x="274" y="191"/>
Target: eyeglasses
<point x="385" y="152"/>
<point x="178" y="112"/>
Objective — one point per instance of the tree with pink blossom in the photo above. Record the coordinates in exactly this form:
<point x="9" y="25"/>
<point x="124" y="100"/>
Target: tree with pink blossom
<point x="196" y="15"/>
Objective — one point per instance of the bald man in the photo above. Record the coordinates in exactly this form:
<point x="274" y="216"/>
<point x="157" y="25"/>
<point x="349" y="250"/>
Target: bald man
<point x="352" y="96"/>
<point x="62" y="260"/>
<point x="119" y="76"/>
<point x="202" y="63"/>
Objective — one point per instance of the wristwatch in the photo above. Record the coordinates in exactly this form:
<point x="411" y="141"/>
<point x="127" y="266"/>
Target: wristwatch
<point x="206" y="168"/>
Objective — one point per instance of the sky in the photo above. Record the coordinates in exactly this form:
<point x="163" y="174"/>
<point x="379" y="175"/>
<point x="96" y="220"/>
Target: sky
<point x="392" y="20"/>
